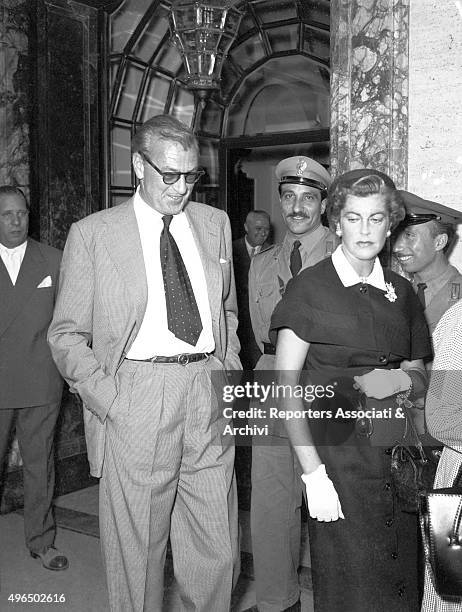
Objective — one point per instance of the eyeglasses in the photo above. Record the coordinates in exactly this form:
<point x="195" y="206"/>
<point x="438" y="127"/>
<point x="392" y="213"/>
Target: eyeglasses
<point x="170" y="178"/>
<point x="11" y="216"/>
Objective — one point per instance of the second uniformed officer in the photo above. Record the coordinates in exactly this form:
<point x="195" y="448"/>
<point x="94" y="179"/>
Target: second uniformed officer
<point x="423" y="240"/>
<point x="276" y="490"/>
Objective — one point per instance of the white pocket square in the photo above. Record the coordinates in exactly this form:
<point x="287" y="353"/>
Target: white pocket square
<point x="223" y="260"/>
<point x="45" y="283"/>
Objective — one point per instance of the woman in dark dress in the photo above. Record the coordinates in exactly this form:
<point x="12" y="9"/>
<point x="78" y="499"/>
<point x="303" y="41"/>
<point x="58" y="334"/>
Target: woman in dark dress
<point x="347" y="321"/>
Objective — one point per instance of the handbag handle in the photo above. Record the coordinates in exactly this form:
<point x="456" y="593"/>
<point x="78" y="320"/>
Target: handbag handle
<point x="417" y="442"/>
<point x="455" y="537"/>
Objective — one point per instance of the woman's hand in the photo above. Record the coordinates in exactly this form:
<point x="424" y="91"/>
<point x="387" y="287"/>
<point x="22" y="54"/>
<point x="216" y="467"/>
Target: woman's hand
<point x="383" y="383"/>
<point x="322" y="498"/>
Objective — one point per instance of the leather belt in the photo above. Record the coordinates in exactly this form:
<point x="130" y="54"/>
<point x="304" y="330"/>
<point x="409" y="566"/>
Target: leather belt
<point x="182" y="359"/>
<point x="269" y="349"/>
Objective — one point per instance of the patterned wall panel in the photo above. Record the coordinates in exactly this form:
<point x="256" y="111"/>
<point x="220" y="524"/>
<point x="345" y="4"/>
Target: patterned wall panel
<point x="369" y="86"/>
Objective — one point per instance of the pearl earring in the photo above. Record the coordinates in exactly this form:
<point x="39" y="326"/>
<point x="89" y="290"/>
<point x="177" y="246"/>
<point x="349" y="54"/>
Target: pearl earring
<point x="338" y="231"/>
<point x="388" y="234"/>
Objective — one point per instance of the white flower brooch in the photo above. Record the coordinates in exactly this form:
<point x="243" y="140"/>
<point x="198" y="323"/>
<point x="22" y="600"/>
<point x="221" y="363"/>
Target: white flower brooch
<point x="390" y="293"/>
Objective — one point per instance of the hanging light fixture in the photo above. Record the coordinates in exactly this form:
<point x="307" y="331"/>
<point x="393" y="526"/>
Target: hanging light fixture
<point x="203" y="31"/>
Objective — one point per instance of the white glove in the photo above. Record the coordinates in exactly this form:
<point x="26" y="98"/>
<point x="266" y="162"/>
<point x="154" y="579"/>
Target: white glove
<point x="383" y="383"/>
<point x="322" y="498"/>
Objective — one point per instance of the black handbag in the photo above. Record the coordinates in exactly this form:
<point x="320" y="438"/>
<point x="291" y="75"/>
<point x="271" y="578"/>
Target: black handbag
<point x="412" y="470"/>
<point x="440" y="519"/>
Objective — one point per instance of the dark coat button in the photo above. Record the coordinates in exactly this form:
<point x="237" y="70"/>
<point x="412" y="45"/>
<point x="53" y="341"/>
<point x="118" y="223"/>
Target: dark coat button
<point x="394" y="555"/>
<point x="383" y="359"/>
<point x="389" y="523"/>
<point x="388" y="451"/>
<point x="387" y="486"/>
<point x="363" y="289"/>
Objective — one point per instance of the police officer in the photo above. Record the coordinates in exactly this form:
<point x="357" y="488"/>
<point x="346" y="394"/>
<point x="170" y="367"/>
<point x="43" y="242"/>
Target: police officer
<point x="423" y="241"/>
<point x="276" y="491"/>
<point x="421" y="244"/>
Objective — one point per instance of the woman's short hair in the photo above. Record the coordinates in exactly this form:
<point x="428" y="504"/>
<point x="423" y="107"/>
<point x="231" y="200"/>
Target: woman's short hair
<point x="363" y="182"/>
<point x="163" y="127"/>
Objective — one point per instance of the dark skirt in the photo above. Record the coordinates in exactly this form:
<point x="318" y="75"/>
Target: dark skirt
<point x="367" y="562"/>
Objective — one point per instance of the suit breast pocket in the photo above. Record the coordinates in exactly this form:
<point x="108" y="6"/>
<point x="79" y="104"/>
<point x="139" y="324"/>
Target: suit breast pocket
<point x="43" y="297"/>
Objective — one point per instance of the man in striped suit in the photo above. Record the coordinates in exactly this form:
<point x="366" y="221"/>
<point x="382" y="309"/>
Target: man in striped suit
<point x="146" y="313"/>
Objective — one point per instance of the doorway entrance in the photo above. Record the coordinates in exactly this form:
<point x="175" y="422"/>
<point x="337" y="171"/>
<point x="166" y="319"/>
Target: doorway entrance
<point x="247" y="172"/>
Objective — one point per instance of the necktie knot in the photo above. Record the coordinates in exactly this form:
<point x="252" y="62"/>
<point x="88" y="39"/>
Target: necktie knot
<point x="167" y="219"/>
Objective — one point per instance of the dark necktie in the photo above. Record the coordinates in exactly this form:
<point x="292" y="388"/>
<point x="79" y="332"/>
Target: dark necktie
<point x="182" y="312"/>
<point x="295" y="258"/>
<point x="421" y="292"/>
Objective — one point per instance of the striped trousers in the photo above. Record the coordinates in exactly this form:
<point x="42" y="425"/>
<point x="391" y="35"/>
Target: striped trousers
<point x="168" y="474"/>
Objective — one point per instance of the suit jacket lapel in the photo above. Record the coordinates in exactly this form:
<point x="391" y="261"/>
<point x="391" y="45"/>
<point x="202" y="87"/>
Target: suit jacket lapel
<point x="123" y="243"/>
<point x="33" y="270"/>
<point x="207" y="238"/>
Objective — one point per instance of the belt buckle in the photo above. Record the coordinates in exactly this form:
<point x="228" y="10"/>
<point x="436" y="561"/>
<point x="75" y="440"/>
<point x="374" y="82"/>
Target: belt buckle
<point x="183" y="359"/>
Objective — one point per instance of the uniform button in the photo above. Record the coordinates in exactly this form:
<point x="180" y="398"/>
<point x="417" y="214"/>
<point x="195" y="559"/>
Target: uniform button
<point x="394" y="555"/>
<point x="389" y="523"/>
<point x="401" y="591"/>
<point x="388" y="451"/>
<point x="383" y="359"/>
<point x="387" y="486"/>
<point x="363" y="289"/>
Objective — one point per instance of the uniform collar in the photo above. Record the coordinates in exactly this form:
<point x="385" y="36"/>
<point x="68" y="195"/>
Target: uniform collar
<point x="439" y="280"/>
<point x="308" y="241"/>
<point x="350" y="277"/>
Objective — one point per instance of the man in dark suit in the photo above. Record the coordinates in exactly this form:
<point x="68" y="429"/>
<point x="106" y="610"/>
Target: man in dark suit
<point x="257" y="228"/>
<point x="30" y="384"/>
<point x="146" y="313"/>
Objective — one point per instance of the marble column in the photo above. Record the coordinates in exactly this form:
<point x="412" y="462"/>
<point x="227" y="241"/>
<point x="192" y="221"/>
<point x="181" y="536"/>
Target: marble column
<point x="14" y="93"/>
<point x="369" y="86"/>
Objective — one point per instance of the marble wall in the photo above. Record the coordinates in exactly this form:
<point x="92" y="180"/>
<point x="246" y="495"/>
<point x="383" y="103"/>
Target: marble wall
<point x="14" y="93"/>
<point x="49" y="62"/>
<point x="68" y="134"/>
<point x="435" y="92"/>
<point x="369" y="86"/>
<point x="67" y="148"/>
<point x="435" y="110"/>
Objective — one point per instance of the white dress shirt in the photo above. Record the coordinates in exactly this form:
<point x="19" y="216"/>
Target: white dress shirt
<point x="154" y="337"/>
<point x="12" y="258"/>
